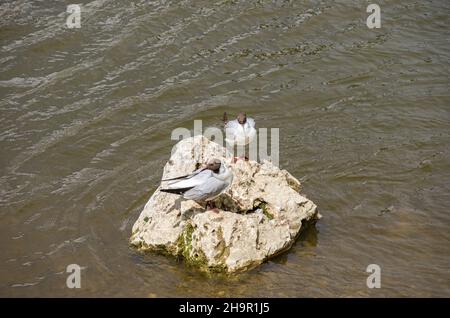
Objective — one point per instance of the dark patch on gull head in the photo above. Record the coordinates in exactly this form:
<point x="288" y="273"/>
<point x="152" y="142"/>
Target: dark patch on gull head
<point x="242" y="118"/>
<point x="213" y="165"/>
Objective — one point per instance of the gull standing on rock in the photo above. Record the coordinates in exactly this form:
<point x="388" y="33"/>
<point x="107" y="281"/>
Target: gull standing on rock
<point x="239" y="132"/>
<point x="203" y="185"/>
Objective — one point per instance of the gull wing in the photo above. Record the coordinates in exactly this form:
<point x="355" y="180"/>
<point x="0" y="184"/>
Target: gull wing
<point x="185" y="176"/>
<point x="207" y="190"/>
<point x="232" y="124"/>
<point x="251" y="122"/>
<point x="189" y="181"/>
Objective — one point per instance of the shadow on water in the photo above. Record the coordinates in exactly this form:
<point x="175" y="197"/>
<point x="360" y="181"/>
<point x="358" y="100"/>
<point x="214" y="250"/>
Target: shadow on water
<point x="308" y="238"/>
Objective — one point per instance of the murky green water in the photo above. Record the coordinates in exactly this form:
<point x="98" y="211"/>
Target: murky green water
<point x="86" y="117"/>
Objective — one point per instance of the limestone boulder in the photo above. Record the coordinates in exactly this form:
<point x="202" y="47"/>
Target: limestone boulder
<point x="260" y="215"/>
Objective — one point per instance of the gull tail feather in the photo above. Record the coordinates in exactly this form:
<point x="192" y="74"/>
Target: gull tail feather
<point x="176" y="191"/>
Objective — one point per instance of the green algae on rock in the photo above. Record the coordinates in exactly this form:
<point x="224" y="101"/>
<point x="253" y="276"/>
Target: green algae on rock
<point x="260" y="215"/>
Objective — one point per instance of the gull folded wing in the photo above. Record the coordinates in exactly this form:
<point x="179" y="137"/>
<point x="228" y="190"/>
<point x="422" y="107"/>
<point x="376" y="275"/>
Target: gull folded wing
<point x="207" y="190"/>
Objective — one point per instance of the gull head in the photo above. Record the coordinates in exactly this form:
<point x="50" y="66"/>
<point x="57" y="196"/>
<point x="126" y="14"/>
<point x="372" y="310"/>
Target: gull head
<point x="214" y="164"/>
<point x="242" y="118"/>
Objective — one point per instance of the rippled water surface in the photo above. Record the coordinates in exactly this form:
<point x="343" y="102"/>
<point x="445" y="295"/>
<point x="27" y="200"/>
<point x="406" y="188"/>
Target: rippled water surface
<point x="86" y="118"/>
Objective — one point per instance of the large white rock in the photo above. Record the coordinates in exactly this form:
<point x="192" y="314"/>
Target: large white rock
<point x="261" y="214"/>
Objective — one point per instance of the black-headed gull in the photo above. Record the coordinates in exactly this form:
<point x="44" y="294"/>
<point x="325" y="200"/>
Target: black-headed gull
<point x="240" y="131"/>
<point x="203" y="185"/>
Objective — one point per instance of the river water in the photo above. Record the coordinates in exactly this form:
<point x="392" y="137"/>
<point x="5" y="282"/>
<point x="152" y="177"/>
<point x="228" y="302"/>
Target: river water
<point x="87" y="114"/>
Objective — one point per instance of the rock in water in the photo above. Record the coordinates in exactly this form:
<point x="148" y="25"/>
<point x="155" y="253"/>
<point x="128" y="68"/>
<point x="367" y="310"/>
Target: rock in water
<point x="261" y="214"/>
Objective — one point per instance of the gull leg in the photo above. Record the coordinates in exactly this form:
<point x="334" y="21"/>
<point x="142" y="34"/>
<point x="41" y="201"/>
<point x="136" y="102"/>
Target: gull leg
<point x="212" y="207"/>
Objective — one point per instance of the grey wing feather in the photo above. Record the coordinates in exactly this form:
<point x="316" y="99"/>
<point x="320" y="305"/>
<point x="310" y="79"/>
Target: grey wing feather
<point x="185" y="176"/>
<point x="232" y="124"/>
<point x="251" y="122"/>
<point x="191" y="181"/>
<point x="206" y="190"/>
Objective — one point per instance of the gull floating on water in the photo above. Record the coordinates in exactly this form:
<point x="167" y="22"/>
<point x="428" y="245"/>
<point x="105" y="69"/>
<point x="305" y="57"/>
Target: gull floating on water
<point x="240" y="131"/>
<point x="203" y="185"/>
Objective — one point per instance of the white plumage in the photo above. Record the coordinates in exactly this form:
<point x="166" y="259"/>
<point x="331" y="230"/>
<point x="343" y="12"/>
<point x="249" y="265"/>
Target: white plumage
<point x="240" y="134"/>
